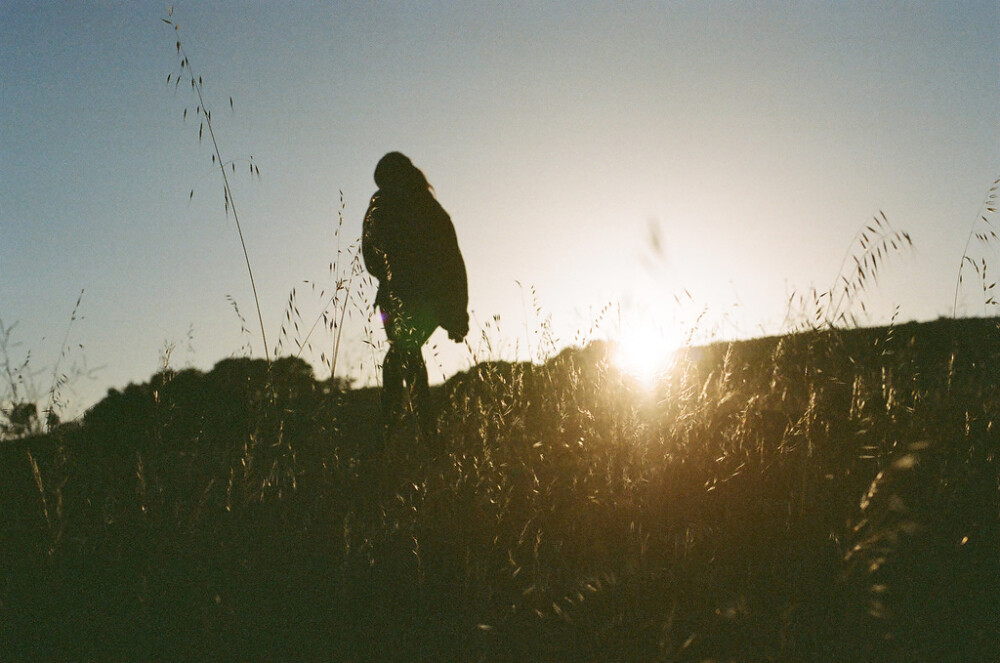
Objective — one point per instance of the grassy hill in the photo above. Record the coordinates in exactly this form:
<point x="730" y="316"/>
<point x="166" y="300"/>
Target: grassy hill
<point x="825" y="496"/>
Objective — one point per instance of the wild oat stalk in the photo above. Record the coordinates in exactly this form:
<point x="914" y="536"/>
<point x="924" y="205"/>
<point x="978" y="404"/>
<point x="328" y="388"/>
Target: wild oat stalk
<point x="230" y="202"/>
<point x="339" y="300"/>
<point x="986" y="237"/>
<point x="21" y="395"/>
<point x="13" y="375"/>
<point x="859" y="270"/>
<point x="59" y="380"/>
<point x="868" y="251"/>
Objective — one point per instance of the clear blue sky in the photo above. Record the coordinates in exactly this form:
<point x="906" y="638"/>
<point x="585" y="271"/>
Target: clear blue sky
<point x="759" y="137"/>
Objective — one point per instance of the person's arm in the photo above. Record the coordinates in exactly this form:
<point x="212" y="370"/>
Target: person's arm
<point x="372" y="250"/>
<point x="455" y="317"/>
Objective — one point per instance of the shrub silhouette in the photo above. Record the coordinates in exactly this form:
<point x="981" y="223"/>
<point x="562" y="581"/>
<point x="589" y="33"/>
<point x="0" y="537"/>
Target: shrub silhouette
<point x="21" y="419"/>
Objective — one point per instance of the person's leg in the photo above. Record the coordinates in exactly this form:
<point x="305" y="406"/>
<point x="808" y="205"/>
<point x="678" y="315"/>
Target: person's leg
<point x="393" y="375"/>
<point x="404" y="367"/>
<point x="423" y="407"/>
<point x="393" y="365"/>
<point x="415" y="377"/>
<point x="417" y="381"/>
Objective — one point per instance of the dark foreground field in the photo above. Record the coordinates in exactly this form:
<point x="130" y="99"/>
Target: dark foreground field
<point x="829" y="496"/>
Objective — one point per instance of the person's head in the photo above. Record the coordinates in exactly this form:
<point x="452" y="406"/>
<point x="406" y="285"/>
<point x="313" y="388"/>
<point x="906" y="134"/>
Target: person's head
<point x="396" y="171"/>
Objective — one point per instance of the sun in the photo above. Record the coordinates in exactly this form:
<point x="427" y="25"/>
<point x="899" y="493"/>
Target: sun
<point x="645" y="351"/>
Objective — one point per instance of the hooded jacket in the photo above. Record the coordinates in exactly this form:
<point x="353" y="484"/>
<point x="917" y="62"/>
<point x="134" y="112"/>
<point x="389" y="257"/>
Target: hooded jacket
<point x="409" y="244"/>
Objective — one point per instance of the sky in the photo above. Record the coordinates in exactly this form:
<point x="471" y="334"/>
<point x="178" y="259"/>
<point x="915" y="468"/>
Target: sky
<point x="653" y="166"/>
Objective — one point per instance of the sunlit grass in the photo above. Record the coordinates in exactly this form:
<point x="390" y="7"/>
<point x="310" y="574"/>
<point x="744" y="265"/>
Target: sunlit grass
<point x="782" y="499"/>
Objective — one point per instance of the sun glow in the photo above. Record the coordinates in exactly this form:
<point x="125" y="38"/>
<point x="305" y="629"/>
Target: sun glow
<point x="645" y="351"/>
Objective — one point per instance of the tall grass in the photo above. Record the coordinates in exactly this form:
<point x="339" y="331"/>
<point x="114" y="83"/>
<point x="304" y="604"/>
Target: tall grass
<point x="843" y="303"/>
<point x="344" y="297"/>
<point x="780" y="499"/>
<point x="981" y="246"/>
<point x="23" y="394"/>
<point x="187" y="74"/>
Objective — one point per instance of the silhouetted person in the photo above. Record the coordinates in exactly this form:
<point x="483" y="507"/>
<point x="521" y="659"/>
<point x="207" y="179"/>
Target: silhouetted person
<point x="409" y="245"/>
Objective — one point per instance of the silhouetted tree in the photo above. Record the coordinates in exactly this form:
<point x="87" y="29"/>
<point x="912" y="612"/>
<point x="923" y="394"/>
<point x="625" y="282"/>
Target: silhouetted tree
<point x="21" y="419"/>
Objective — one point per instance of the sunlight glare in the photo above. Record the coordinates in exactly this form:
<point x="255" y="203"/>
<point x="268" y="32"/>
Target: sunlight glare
<point x="645" y="352"/>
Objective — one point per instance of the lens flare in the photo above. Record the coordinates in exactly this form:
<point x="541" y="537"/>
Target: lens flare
<point x="645" y="352"/>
